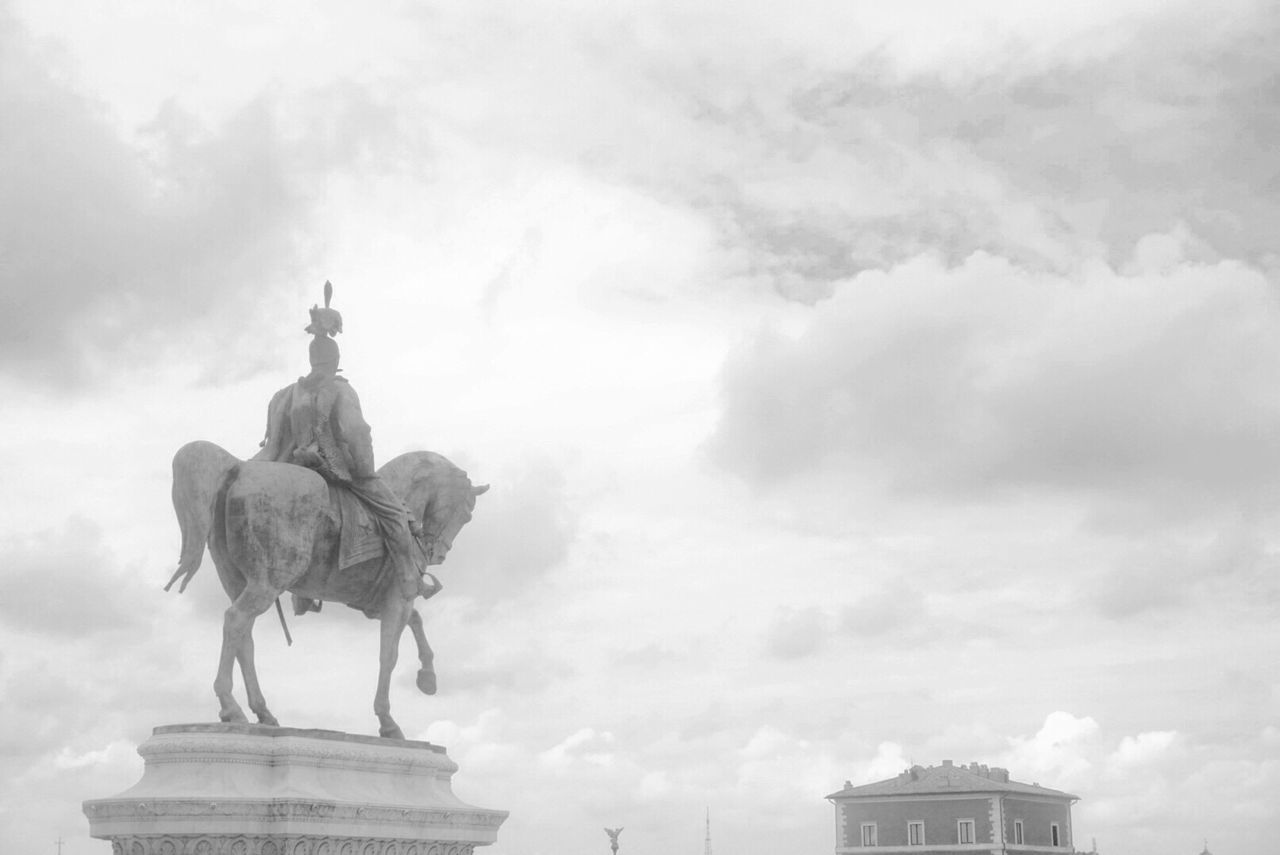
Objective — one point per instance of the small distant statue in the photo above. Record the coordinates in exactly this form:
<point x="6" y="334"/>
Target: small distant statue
<point x="310" y="515"/>
<point x="613" y="837"/>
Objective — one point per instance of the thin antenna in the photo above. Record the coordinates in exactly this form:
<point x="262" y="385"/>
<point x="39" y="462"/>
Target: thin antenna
<point x="707" y="849"/>
<point x="59" y="841"/>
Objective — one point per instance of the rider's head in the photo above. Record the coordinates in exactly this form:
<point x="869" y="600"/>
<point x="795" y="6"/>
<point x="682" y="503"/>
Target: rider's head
<point x="324" y="355"/>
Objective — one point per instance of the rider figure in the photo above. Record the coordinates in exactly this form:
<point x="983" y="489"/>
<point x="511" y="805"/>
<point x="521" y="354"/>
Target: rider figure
<point x="316" y="422"/>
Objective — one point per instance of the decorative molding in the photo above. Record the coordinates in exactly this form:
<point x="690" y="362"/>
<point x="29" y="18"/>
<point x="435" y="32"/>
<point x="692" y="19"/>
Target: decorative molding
<point x="299" y="751"/>
<point x="922" y="797"/>
<point x="283" y="809"/>
<point x="254" y="844"/>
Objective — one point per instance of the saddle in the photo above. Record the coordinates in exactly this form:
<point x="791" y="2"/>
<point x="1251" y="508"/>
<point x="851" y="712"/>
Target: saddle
<point x="359" y="543"/>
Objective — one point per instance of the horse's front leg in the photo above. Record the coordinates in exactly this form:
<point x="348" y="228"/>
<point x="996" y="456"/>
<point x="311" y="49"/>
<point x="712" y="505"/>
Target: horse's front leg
<point x="394" y="616"/>
<point x="426" y="658"/>
<point x="237" y="626"/>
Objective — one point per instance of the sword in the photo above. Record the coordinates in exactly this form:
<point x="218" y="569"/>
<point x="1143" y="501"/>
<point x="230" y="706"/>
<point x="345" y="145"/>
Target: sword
<point x="283" y="625"/>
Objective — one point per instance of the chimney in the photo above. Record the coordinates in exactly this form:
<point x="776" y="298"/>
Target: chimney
<point x="998" y="774"/>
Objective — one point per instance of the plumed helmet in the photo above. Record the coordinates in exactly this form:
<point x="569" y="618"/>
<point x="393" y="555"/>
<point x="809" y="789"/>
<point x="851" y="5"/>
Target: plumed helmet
<point x="326" y="321"/>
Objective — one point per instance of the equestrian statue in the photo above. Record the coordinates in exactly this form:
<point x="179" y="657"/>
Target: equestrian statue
<point x="310" y="514"/>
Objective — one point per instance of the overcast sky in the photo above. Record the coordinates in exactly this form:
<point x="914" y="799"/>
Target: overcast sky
<point x="861" y="384"/>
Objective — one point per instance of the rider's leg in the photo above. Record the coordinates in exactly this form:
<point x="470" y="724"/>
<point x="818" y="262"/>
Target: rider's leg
<point x="393" y="520"/>
<point x="401" y="552"/>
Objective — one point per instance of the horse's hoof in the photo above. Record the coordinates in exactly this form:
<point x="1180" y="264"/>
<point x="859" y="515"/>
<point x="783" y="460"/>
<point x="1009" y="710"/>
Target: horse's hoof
<point x="233" y="717"/>
<point x="268" y="719"/>
<point x="393" y="732"/>
<point x="427" y="682"/>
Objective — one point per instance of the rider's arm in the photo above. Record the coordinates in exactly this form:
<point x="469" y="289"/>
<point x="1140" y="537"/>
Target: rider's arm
<point x="277" y="426"/>
<point x="354" y="431"/>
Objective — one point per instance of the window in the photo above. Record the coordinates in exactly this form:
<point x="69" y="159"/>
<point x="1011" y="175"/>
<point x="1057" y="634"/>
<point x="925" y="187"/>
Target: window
<point x="1017" y="831"/>
<point x="915" y="833"/>
<point x="1053" y="834"/>
<point x="868" y="834"/>
<point x="964" y="831"/>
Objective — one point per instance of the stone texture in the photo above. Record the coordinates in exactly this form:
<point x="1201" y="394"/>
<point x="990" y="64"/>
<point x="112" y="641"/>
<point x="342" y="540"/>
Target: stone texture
<point x="239" y="789"/>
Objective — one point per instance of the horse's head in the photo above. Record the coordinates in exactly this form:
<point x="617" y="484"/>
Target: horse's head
<point x="445" y="515"/>
<point x="438" y="493"/>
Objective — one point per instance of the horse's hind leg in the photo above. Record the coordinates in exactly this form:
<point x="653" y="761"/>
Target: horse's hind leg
<point x="237" y="625"/>
<point x="257" y="703"/>
<point x="426" y="658"/>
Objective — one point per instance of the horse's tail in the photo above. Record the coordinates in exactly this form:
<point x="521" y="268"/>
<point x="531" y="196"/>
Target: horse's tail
<point x="200" y="469"/>
<point x="218" y="535"/>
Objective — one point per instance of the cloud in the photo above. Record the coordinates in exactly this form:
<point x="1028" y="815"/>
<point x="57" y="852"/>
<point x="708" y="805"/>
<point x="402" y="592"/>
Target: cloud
<point x="113" y="252"/>
<point x="114" y="752"/>
<point x="31" y="701"/>
<point x="887" y="611"/>
<point x="1132" y="588"/>
<point x="498" y="670"/>
<point x="1227" y="564"/>
<point x="795" y="633"/>
<point x="987" y="378"/>
<point x="1046" y="137"/>
<point x="582" y="746"/>
<point x="521" y="532"/>
<point x="887" y="763"/>
<point x="1139" y="792"/>
<point x="63" y="583"/>
<point x="1141" y="750"/>
<point x="777" y="764"/>
<point x="1060" y="751"/>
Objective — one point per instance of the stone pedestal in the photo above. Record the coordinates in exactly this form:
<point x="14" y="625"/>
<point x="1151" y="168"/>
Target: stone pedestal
<point x="239" y="789"/>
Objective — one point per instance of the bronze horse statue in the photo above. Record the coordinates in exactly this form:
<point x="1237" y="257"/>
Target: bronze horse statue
<point x="270" y="529"/>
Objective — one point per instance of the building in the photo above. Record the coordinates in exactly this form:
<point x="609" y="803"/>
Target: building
<point x="949" y="808"/>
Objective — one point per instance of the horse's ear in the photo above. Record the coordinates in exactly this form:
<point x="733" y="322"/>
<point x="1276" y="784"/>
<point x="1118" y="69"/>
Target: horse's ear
<point x="483" y="488"/>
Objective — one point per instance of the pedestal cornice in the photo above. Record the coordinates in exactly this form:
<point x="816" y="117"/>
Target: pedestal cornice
<point x="255" y="788"/>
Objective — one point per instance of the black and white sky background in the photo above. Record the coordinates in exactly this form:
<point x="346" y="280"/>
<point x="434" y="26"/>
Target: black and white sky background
<point x="860" y="383"/>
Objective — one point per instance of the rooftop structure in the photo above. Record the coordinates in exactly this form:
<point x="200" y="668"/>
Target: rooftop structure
<point x="950" y="808"/>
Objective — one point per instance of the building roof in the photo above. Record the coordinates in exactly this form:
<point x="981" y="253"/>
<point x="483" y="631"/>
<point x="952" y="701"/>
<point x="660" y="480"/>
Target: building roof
<point x="947" y="779"/>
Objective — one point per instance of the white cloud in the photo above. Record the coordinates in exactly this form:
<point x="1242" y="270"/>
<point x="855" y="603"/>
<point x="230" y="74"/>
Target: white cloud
<point x="888" y="762"/>
<point x="1060" y="751"/>
<point x="114" y="753"/>
<point x="1140" y="750"/>
<point x="584" y="746"/>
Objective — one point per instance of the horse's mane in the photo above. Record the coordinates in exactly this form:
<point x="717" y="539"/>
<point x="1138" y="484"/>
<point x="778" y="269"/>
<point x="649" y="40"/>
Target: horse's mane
<point x="429" y="483"/>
